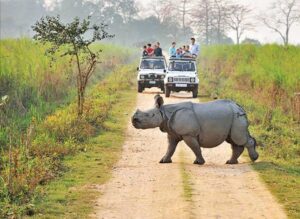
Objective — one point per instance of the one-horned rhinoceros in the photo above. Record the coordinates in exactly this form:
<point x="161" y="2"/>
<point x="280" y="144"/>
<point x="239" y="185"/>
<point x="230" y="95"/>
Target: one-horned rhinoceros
<point x="199" y="125"/>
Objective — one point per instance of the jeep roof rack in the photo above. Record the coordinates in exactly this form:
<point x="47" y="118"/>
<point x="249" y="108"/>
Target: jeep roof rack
<point x="182" y="59"/>
<point x="153" y="57"/>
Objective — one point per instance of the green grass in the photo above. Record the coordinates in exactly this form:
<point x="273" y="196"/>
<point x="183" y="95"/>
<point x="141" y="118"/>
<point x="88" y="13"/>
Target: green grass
<point x="36" y="85"/>
<point x="53" y="143"/>
<point x="284" y="182"/>
<point x="186" y="180"/>
<point x="263" y="80"/>
<point x="74" y="194"/>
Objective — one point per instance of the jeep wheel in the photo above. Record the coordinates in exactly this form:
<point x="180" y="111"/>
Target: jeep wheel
<point x="195" y="92"/>
<point x="167" y="91"/>
<point x="140" y="88"/>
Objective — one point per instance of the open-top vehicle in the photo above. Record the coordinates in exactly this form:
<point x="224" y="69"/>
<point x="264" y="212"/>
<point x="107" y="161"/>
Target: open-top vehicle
<point x="181" y="76"/>
<point x="151" y="73"/>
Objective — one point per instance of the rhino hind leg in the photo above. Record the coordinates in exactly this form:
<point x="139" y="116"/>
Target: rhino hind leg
<point x="236" y="153"/>
<point x="193" y="143"/>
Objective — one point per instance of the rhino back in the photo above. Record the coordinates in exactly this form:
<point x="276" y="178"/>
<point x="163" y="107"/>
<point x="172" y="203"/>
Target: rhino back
<point x="215" y="119"/>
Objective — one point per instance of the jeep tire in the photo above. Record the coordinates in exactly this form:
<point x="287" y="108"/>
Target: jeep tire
<point x="195" y="92"/>
<point x="140" y="88"/>
<point x="167" y="91"/>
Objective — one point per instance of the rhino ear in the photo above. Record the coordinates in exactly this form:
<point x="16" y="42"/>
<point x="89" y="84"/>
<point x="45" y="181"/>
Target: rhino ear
<point x="159" y="101"/>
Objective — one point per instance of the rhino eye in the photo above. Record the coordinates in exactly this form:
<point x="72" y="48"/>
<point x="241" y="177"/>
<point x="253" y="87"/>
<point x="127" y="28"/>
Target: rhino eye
<point x="151" y="115"/>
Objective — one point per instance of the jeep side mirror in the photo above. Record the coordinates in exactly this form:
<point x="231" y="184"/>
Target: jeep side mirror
<point x="165" y="70"/>
<point x="137" y="68"/>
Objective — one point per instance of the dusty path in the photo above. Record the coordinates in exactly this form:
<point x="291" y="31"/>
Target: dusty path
<point x="142" y="188"/>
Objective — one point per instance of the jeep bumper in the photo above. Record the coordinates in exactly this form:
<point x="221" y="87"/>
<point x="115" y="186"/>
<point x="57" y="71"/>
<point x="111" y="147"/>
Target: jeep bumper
<point x="182" y="86"/>
<point x="148" y="83"/>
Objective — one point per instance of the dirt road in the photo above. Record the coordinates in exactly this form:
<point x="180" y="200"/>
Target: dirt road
<point x="141" y="188"/>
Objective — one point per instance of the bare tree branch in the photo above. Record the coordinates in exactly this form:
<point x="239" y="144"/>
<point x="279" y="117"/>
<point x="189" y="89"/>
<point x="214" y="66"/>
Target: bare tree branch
<point x="238" y="20"/>
<point x="285" y="13"/>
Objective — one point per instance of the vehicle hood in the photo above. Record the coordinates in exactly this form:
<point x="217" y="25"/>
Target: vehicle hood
<point x="151" y="71"/>
<point x="181" y="74"/>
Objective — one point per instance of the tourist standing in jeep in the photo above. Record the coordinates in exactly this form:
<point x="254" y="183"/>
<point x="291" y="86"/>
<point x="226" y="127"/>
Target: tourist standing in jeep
<point x="158" y="50"/>
<point x="194" y="48"/>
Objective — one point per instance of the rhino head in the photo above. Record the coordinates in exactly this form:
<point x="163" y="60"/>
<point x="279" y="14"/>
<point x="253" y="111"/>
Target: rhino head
<point x="151" y="118"/>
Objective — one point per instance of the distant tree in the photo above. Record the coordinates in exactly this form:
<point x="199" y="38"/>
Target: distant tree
<point x="284" y="14"/>
<point x="220" y="16"/>
<point x="238" y="20"/>
<point x="216" y="38"/>
<point x="163" y="10"/>
<point x="184" y="8"/>
<point x="202" y="16"/>
<point x="251" y="41"/>
<point x="73" y="37"/>
<point x="14" y="19"/>
<point x="126" y="8"/>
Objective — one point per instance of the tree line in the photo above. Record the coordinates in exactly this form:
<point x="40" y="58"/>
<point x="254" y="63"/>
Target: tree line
<point x="213" y="19"/>
<point x="166" y="20"/>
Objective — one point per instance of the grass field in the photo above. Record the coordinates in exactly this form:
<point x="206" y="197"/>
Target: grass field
<point x="39" y="128"/>
<point x="264" y="80"/>
<point x="36" y="85"/>
<point x="77" y="189"/>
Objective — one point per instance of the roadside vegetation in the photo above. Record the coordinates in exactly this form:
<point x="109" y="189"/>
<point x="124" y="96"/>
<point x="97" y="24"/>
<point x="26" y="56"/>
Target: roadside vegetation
<point x="38" y="120"/>
<point x="265" y="80"/>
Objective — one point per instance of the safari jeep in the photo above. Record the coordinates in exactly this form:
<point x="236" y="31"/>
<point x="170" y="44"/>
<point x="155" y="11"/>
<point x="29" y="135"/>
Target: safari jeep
<point x="181" y="76"/>
<point x="151" y="73"/>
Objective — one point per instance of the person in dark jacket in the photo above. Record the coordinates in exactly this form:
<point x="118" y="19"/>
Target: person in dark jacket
<point x="158" y="50"/>
<point x="145" y="53"/>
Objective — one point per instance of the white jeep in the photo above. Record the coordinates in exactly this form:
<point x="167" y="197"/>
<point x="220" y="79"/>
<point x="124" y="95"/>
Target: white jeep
<point x="181" y="76"/>
<point x="151" y="73"/>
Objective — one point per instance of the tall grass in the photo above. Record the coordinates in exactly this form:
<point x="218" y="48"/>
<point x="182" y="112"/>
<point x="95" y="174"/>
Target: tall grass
<point x="36" y="85"/>
<point x="38" y="123"/>
<point x="265" y="80"/>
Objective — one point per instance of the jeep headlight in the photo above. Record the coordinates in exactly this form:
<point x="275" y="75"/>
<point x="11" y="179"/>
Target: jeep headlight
<point x="142" y="76"/>
<point x="162" y="76"/>
<point x="170" y="79"/>
<point x="193" y="80"/>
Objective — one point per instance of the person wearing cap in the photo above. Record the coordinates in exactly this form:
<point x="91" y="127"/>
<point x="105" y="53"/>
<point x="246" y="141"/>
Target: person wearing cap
<point x="194" y="48"/>
<point x="172" y="50"/>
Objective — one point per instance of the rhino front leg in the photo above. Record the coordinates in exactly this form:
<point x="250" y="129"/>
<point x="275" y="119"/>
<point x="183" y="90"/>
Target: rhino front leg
<point x="193" y="143"/>
<point x="236" y="152"/>
<point x="173" y="141"/>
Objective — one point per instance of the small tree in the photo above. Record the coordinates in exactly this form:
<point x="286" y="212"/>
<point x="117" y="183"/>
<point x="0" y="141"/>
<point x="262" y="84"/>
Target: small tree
<point x="76" y="38"/>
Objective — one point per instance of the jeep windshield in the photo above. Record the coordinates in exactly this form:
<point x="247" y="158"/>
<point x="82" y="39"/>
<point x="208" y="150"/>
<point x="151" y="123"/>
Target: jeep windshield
<point x="152" y="64"/>
<point x="181" y="66"/>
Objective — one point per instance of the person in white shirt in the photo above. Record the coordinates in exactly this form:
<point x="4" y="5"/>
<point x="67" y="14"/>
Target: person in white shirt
<point x="194" y="48"/>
